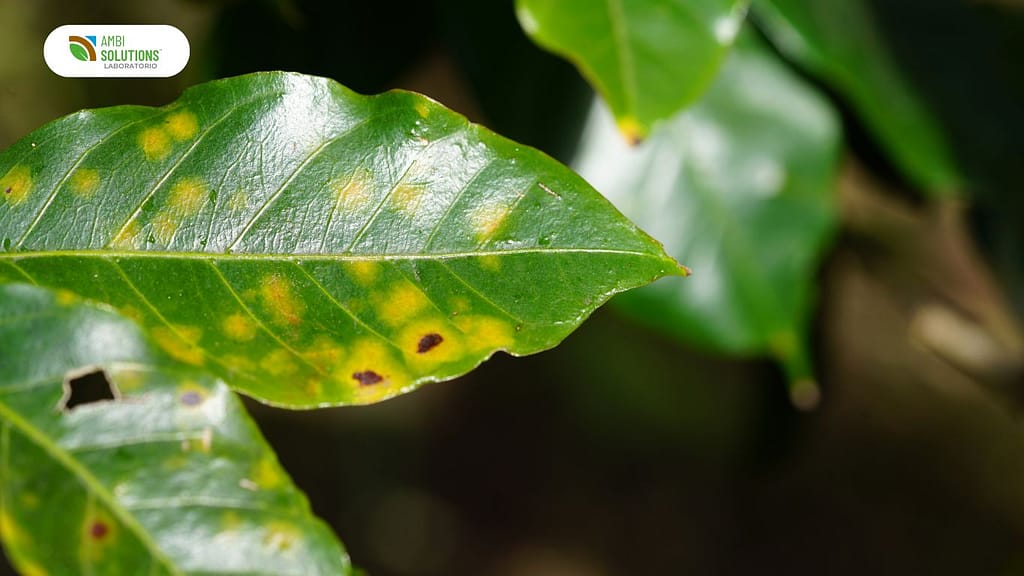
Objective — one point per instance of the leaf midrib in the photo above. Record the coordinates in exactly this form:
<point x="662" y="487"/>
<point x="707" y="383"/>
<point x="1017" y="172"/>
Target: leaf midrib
<point x="86" y="477"/>
<point x="271" y="257"/>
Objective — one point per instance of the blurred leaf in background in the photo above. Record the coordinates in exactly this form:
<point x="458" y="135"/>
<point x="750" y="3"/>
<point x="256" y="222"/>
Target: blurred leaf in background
<point x="839" y="40"/>
<point x="648" y="58"/>
<point x="740" y="187"/>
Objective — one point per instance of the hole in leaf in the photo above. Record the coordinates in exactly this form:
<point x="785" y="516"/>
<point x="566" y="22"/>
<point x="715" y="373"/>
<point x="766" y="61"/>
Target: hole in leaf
<point x="87" y="387"/>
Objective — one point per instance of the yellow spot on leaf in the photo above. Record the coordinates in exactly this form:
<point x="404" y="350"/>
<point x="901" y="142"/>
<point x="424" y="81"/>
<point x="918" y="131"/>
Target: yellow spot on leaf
<point x="128" y="237"/>
<point x="485" y="333"/>
<point x="100" y="532"/>
<point x="239" y="327"/>
<point x="277" y="296"/>
<point x="406" y="198"/>
<point x="165" y="225"/>
<point x="487" y="219"/>
<point x="155" y="143"/>
<point x="490" y="262"/>
<point x="85" y="181"/>
<point x="16" y="184"/>
<point x="188" y="195"/>
<point x="267" y="474"/>
<point x="427" y="344"/>
<point x="353" y="192"/>
<point x="182" y="125"/>
<point x="281" y="536"/>
<point x="66" y="298"/>
<point x="128" y="380"/>
<point x="237" y="362"/>
<point x="372" y="372"/>
<point x="399" y="305"/>
<point x="180" y="343"/>
<point x="364" y="271"/>
<point x="422" y="109"/>
<point x="279" y="363"/>
<point x="325" y="354"/>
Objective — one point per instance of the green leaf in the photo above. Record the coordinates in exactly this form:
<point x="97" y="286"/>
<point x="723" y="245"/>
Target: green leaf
<point x="648" y="58"/>
<point x="839" y="40"/>
<point x="170" y="477"/>
<point x="78" y="52"/>
<point x="739" y="187"/>
<point x="312" y="246"/>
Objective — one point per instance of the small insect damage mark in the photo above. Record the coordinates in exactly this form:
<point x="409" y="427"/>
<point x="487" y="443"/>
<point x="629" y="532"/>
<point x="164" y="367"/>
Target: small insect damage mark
<point x="191" y="398"/>
<point x="367" y="378"/>
<point x="428" y="342"/>
<point x="87" y="386"/>
<point x="549" y="190"/>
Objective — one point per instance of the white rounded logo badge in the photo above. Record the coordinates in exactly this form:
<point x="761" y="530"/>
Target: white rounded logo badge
<point x="116" y="51"/>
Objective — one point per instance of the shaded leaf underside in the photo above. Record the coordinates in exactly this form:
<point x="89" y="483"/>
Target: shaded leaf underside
<point x="312" y="246"/>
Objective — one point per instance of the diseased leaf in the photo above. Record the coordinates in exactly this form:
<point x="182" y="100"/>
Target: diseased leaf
<point x="171" y="477"/>
<point x="648" y="58"/>
<point x="312" y="246"/>
<point x="840" y="41"/>
<point x="740" y="187"/>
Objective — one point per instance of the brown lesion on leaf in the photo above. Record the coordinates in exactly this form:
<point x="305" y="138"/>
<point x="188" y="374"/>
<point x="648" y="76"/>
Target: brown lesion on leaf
<point x="428" y="342"/>
<point x="367" y="378"/>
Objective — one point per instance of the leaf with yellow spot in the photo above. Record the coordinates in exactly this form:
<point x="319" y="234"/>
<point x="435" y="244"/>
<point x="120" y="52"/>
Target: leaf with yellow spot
<point x="284" y="234"/>
<point x="140" y="485"/>
<point x="102" y="487"/>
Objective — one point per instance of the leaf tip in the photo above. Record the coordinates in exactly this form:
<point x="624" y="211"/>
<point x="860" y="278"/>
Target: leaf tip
<point x="804" y="394"/>
<point x="632" y="130"/>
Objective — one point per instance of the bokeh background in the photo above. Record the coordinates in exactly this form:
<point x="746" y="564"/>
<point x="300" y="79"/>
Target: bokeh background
<point x="624" y="450"/>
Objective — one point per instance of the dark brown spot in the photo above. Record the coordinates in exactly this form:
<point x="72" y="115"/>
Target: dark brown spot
<point x="429" y="342"/>
<point x="191" y="398"/>
<point x="367" y="378"/>
<point x="98" y="530"/>
<point x="8" y="190"/>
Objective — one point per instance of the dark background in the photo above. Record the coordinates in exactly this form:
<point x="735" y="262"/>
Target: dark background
<point x="622" y="451"/>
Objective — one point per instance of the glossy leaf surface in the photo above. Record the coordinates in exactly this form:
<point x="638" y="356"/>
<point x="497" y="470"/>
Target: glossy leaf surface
<point x="171" y="477"/>
<point x="739" y="187"/>
<point x="840" y="41"/>
<point x="648" y="58"/>
<point x="312" y="246"/>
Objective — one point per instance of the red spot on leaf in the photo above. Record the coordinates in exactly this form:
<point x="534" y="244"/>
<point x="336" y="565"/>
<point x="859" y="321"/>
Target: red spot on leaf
<point x="367" y="378"/>
<point x="98" y="530"/>
<point x="429" y="342"/>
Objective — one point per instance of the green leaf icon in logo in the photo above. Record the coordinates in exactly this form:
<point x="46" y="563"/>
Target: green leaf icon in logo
<point x="78" y="52"/>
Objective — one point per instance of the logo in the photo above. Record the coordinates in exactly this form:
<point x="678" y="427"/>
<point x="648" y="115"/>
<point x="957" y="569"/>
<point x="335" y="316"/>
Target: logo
<point x="83" y="47"/>
<point x="115" y="51"/>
